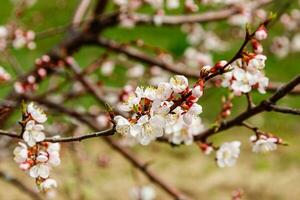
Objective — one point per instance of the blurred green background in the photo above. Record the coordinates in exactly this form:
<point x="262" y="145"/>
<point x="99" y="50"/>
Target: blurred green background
<point x="271" y="176"/>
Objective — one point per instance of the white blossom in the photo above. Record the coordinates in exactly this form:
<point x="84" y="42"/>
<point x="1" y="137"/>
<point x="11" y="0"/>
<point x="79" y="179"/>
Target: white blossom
<point x="228" y="153"/>
<point x="179" y="83"/>
<point x="241" y="84"/>
<point x="21" y="153"/>
<point x="263" y="144"/>
<point x="173" y="4"/>
<point x="39" y="170"/>
<point x="48" y="184"/>
<point x="4" y="76"/>
<point x="107" y="67"/>
<point x="123" y="126"/>
<point x="180" y="132"/>
<point x="143" y="193"/>
<point x="192" y="113"/>
<point x="258" y="62"/>
<point x="136" y="71"/>
<point x="163" y="91"/>
<point x="295" y="44"/>
<point x="33" y="133"/>
<point x="147" y="129"/>
<point x="3" y="32"/>
<point x="36" y="113"/>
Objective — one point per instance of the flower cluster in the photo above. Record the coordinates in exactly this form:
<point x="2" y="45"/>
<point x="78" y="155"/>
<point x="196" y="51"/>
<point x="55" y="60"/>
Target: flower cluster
<point x="247" y="73"/>
<point x="42" y="66"/>
<point x="169" y="109"/>
<point x="36" y="156"/>
<point x="23" y="39"/>
<point x="19" y="38"/>
<point x="289" y="41"/>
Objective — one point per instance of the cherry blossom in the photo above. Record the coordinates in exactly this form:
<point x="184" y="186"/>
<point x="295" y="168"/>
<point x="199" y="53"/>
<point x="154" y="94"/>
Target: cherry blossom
<point x="33" y="133"/>
<point x="36" y="113"/>
<point x="151" y="114"/>
<point x="261" y="33"/>
<point x="147" y="129"/>
<point x="21" y="153"/>
<point x="263" y="144"/>
<point x="143" y="193"/>
<point x="228" y="153"/>
<point x="39" y="170"/>
<point x="4" y="76"/>
<point x="179" y="132"/>
<point x="123" y="125"/>
<point x="179" y="83"/>
<point x="48" y="184"/>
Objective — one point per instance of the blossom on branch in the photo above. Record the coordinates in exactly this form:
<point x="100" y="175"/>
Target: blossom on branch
<point x="228" y="153"/>
<point x="157" y="111"/>
<point x="36" y="156"/>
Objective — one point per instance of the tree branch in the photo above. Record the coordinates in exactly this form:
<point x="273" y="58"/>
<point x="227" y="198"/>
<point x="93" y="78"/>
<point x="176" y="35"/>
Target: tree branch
<point x="263" y="106"/>
<point x="209" y="16"/>
<point x="142" y="166"/>
<point x="286" y="110"/>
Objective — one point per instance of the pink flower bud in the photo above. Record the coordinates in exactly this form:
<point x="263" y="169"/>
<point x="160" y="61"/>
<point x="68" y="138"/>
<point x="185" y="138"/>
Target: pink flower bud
<point x="261" y="33"/>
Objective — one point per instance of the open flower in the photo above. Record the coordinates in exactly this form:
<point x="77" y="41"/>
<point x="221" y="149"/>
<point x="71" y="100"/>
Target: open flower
<point x="21" y="153"/>
<point x="241" y="84"/>
<point x="180" y="132"/>
<point x="33" y="133"/>
<point x="147" y="129"/>
<point x="123" y="125"/>
<point x="39" y="170"/>
<point x="36" y="113"/>
<point x="179" y="83"/>
<point x="258" y="62"/>
<point x="48" y="184"/>
<point x="228" y="154"/>
<point x="192" y="113"/>
<point x="263" y="144"/>
<point x="163" y="91"/>
<point x="130" y="103"/>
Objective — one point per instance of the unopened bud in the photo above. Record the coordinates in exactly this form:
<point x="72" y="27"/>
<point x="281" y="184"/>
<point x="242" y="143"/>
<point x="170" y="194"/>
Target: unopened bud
<point x="205" y="70"/>
<point x="261" y="33"/>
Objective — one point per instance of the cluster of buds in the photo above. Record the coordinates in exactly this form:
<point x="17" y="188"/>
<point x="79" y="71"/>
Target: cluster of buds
<point x="30" y="83"/>
<point x="36" y="156"/>
<point x="169" y="109"/>
<point x="264" y="142"/>
<point x="18" y="38"/>
<point x="226" y="107"/>
<point x="4" y="76"/>
<point x="23" y="39"/>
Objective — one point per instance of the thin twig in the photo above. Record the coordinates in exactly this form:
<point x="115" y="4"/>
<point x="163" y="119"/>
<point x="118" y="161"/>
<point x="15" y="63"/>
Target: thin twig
<point x="283" y="109"/>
